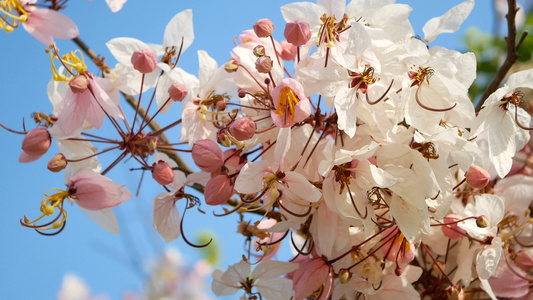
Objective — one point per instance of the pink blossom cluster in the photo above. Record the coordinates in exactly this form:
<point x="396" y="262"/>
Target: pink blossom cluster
<point x="352" y="142"/>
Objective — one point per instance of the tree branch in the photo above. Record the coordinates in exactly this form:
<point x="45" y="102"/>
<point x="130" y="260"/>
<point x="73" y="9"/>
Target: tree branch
<point x="512" y="53"/>
<point x="154" y="126"/>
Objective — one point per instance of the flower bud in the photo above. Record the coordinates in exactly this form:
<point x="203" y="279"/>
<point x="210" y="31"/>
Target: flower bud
<point x="243" y="129"/>
<point x="263" y="64"/>
<point x="78" y="84"/>
<point x="482" y="222"/>
<point x="35" y="144"/>
<point x="398" y="271"/>
<point x="144" y="60"/>
<point x="344" y="276"/>
<point x="263" y="28"/>
<point x="177" y="92"/>
<point x="477" y="177"/>
<point x="224" y="139"/>
<point x="452" y="231"/>
<point x="57" y="163"/>
<point x="162" y="173"/>
<point x="288" y="51"/>
<point x="218" y="189"/>
<point x="455" y="293"/>
<point x="231" y="66"/>
<point x="259" y="50"/>
<point x="207" y="155"/>
<point x="524" y="261"/>
<point x="297" y="33"/>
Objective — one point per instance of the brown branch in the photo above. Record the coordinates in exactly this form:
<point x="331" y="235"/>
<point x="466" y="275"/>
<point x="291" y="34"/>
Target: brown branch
<point x="512" y="53"/>
<point x="154" y="126"/>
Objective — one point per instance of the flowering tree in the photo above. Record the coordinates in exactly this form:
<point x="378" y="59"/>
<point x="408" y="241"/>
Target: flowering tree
<point x="351" y="141"/>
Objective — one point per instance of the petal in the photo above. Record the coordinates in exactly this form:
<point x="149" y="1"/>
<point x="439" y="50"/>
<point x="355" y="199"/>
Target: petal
<point x="47" y="24"/>
<point x="179" y="29"/>
<point x="166" y="217"/>
<point x="449" y="22"/>
<point x="123" y="48"/>
<point x="105" y="218"/>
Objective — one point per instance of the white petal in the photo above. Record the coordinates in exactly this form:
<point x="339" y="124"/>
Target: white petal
<point x="449" y="22"/>
<point x="166" y="217"/>
<point x="179" y="29"/>
<point x="273" y="269"/>
<point x="123" y="48"/>
<point x="488" y="259"/>
<point x="105" y="218"/>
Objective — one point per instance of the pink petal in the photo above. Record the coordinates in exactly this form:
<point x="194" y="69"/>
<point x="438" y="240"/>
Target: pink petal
<point x="46" y="24"/>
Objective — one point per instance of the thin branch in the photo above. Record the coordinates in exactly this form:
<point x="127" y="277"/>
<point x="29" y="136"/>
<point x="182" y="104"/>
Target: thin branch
<point x="154" y="126"/>
<point x="512" y="53"/>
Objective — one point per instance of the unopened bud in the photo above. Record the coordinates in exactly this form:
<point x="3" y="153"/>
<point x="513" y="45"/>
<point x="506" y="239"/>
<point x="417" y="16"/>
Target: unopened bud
<point x="243" y="129"/>
<point x="177" y="92"/>
<point x="57" y="163"/>
<point x="263" y="64"/>
<point x="524" y="261"/>
<point x="344" y="275"/>
<point x="451" y="230"/>
<point x="231" y="66"/>
<point x="482" y="222"/>
<point x="78" y="84"/>
<point x="297" y="33"/>
<point x="263" y="28"/>
<point x="35" y="144"/>
<point x="144" y="60"/>
<point x="218" y="189"/>
<point x="224" y="139"/>
<point x="207" y="155"/>
<point x="288" y="51"/>
<point x="398" y="271"/>
<point x="259" y="50"/>
<point x="477" y="177"/>
<point x="162" y="173"/>
<point x="455" y="293"/>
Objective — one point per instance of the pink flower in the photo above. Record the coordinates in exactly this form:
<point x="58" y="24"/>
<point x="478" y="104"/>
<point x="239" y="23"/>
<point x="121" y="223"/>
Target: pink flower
<point x="47" y="24"/>
<point x="291" y="104"/>
<point x="310" y="276"/>
<point x="89" y="105"/>
<point x="93" y="191"/>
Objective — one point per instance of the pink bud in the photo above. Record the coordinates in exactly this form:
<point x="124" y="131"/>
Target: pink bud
<point x="177" y="92"/>
<point x="477" y="177"/>
<point x="288" y="51"/>
<point x="524" y="261"/>
<point x="144" y="60"/>
<point x="263" y="64"/>
<point x="243" y="129"/>
<point x="57" y="163"/>
<point x="263" y="28"/>
<point x="452" y="231"/>
<point x="93" y="191"/>
<point x="218" y="189"/>
<point x="482" y="221"/>
<point x="35" y="144"/>
<point x="207" y="155"/>
<point x="297" y="33"/>
<point x="78" y="84"/>
<point x="162" y="173"/>
<point x="231" y="66"/>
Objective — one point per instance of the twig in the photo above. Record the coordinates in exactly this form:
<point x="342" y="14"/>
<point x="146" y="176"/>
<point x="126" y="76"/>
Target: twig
<point x="154" y="126"/>
<point x="512" y="53"/>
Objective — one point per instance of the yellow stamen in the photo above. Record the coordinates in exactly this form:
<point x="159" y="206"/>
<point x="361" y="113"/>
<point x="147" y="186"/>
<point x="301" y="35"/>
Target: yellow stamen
<point x="12" y="13"/>
<point x="73" y="65"/>
<point x="48" y="207"/>
<point x="287" y="99"/>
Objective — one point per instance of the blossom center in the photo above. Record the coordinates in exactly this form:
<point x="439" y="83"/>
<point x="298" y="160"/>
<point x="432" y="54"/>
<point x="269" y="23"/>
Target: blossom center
<point x="287" y="102"/>
<point x="329" y="30"/>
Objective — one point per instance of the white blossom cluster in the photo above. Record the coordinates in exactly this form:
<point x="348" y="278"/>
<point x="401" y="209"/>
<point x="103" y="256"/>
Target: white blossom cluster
<point x="352" y="141"/>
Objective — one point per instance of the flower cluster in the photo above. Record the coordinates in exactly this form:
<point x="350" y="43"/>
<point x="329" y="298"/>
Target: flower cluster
<point x="352" y="140"/>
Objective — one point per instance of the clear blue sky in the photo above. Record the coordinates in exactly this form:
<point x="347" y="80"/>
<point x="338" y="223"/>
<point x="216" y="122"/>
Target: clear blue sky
<point x="33" y="266"/>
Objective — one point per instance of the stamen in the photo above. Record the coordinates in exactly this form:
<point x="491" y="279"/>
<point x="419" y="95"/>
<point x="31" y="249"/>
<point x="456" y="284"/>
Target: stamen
<point x="12" y="13"/>
<point x="71" y="62"/>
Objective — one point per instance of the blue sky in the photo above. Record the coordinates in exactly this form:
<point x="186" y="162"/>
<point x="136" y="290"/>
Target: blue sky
<point x="33" y="266"/>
